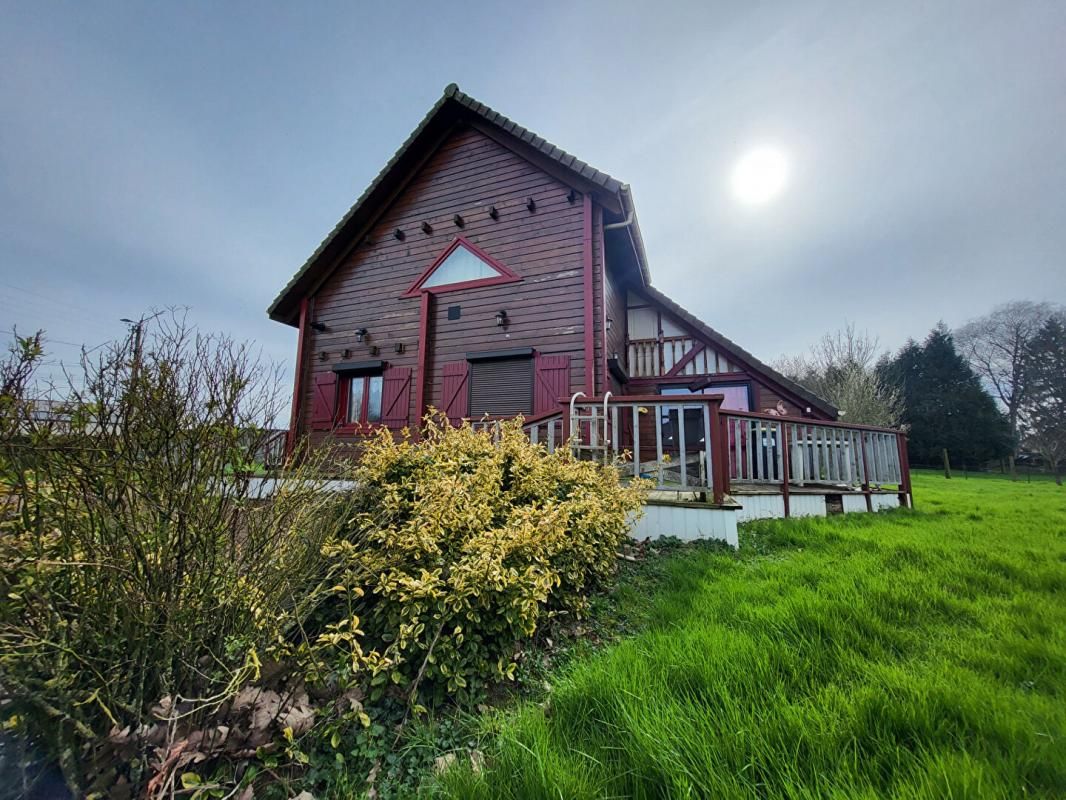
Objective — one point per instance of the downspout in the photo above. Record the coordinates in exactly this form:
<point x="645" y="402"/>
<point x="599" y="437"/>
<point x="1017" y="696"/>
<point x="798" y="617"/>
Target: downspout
<point x="590" y="346"/>
<point x="603" y="300"/>
<point x="623" y="224"/>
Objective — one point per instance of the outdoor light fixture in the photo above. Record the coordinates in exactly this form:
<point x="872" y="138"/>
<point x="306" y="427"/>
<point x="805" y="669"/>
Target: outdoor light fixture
<point x="360" y="335"/>
<point x="399" y="347"/>
<point x="610" y="322"/>
<point x="501" y="319"/>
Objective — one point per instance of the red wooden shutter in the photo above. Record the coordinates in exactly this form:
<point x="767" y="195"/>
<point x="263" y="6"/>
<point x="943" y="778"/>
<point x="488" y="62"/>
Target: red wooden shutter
<point x="396" y="397"/>
<point x="455" y="395"/>
<point x="324" y="403"/>
<point x="552" y="382"/>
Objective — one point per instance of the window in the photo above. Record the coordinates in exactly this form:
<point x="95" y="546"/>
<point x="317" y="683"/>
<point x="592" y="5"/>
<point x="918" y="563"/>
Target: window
<point x="737" y="396"/>
<point x="364" y="399"/>
<point x="501" y="387"/>
<point x="461" y="265"/>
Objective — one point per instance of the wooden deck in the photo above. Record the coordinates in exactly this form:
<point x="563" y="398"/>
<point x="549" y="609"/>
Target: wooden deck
<point x="734" y="463"/>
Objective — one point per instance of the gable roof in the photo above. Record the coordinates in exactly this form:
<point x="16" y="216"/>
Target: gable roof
<point x="743" y="355"/>
<point x="452" y="108"/>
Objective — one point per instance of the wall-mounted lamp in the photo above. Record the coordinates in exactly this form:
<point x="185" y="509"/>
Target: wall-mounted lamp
<point x="347" y="353"/>
<point x="323" y="356"/>
<point x="361" y="335"/>
<point x="501" y="318"/>
<point x="610" y="322"/>
<point x="399" y="347"/>
<point x="318" y="326"/>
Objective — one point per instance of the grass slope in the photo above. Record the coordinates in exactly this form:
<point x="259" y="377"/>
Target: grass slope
<point x="908" y="654"/>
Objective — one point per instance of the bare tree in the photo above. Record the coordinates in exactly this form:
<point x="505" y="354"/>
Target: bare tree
<point x="996" y="346"/>
<point x="841" y="367"/>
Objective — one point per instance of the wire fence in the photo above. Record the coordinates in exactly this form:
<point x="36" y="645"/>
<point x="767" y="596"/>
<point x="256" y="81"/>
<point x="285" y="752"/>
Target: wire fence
<point x="1023" y="470"/>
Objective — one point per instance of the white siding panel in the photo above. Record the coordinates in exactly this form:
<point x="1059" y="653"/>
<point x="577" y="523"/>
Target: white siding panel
<point x="806" y="505"/>
<point x="885" y="501"/>
<point x="854" y="503"/>
<point x="760" y="506"/>
<point x="686" y="523"/>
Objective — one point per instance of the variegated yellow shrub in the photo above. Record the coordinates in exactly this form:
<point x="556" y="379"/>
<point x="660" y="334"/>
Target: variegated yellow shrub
<point x="464" y="545"/>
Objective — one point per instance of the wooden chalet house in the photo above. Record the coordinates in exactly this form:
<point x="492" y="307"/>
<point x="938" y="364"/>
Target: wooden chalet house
<point x="487" y="273"/>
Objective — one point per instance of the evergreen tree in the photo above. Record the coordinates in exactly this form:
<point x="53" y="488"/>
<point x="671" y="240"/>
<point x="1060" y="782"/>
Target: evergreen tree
<point x="945" y="405"/>
<point x="1044" y="410"/>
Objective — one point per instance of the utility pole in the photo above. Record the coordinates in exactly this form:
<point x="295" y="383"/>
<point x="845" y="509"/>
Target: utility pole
<point x="137" y="331"/>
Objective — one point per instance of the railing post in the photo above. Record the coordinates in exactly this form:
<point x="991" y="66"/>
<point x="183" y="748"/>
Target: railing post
<point x="681" y="449"/>
<point x="659" y="442"/>
<point x="708" y="446"/>
<point x="720" y="450"/>
<point x="865" y="473"/>
<point x="904" y="469"/>
<point x="785" y="467"/>
<point x="636" y="441"/>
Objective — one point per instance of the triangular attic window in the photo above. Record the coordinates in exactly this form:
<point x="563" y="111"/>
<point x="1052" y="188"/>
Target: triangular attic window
<point x="462" y="265"/>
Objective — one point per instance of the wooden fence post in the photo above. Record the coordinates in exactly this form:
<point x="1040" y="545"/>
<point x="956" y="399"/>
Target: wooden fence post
<point x="719" y="465"/>
<point x="947" y="464"/>
<point x="865" y="473"/>
<point x="786" y="466"/>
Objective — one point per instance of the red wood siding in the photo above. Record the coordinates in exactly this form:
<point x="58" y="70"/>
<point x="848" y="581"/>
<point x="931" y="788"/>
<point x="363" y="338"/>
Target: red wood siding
<point x="615" y="297"/>
<point x="468" y="173"/>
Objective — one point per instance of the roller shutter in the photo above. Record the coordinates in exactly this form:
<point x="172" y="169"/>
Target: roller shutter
<point x="501" y="387"/>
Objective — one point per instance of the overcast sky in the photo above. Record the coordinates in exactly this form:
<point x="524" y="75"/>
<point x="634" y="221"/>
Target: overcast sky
<point x="195" y="154"/>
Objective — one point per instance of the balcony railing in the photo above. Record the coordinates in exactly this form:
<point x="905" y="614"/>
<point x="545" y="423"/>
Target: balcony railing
<point x="663" y="438"/>
<point x="762" y="449"/>
<point x="688" y="444"/>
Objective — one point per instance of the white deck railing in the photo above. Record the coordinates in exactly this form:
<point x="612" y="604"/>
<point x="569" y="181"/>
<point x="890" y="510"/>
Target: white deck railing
<point x="763" y="449"/>
<point x="662" y="438"/>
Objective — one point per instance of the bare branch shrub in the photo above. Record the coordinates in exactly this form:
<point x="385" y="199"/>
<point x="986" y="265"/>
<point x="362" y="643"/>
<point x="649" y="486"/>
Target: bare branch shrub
<point x="140" y="557"/>
<point x="842" y="368"/>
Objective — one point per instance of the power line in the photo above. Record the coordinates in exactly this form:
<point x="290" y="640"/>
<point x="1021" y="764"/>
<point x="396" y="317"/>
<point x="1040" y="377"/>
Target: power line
<point x="46" y="297"/>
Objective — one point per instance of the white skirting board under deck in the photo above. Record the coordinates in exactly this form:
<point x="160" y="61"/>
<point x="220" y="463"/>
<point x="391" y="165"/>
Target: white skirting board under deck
<point x="686" y="522"/>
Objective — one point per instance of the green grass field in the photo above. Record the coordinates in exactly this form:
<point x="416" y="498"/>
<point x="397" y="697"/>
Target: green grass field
<point x="907" y="654"/>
